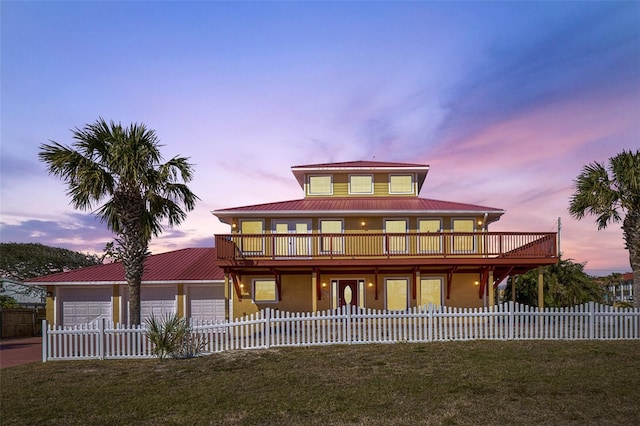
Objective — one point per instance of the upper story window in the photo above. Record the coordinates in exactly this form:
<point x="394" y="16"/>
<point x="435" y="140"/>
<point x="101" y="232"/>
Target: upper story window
<point x="401" y="184"/>
<point x="360" y="184"/>
<point x="320" y="185"/>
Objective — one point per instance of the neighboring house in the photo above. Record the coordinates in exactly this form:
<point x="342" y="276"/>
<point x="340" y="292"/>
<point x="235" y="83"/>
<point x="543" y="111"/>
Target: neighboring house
<point x="186" y="282"/>
<point x="26" y="296"/>
<point x="362" y="236"/>
<point x="622" y="291"/>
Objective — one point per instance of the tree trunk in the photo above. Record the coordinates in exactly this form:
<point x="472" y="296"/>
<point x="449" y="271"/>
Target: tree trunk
<point x="636" y="288"/>
<point x="134" y="303"/>
<point x="631" y="233"/>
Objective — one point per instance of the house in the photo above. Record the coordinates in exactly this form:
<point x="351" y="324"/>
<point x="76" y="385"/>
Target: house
<point x="622" y="291"/>
<point x="186" y="282"/>
<point x="363" y="236"/>
<point x="26" y="296"/>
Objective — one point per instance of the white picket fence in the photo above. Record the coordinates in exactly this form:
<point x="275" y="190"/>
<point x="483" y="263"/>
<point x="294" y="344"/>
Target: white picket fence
<point x="272" y="328"/>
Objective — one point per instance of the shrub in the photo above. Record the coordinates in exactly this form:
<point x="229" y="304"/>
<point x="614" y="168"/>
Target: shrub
<point x="173" y="337"/>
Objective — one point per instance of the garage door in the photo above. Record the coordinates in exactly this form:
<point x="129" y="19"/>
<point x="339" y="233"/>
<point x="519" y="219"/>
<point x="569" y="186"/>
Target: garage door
<point x="206" y="303"/>
<point x="85" y="305"/>
<point x="159" y="301"/>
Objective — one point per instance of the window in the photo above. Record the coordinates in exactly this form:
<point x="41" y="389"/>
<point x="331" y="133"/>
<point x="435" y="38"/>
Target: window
<point x="396" y="243"/>
<point x="251" y="227"/>
<point x="360" y="184"/>
<point x="430" y="244"/>
<point x="463" y="243"/>
<point x="333" y="244"/>
<point x="396" y="294"/>
<point x="400" y="184"/>
<point x="320" y="185"/>
<point x="264" y="291"/>
<point x="431" y="291"/>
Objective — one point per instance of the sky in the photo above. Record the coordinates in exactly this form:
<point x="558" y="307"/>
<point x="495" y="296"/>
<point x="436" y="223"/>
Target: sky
<point x="505" y="101"/>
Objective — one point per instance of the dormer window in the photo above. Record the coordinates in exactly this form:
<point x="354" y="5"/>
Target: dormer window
<point x="360" y="184"/>
<point x="401" y="184"/>
<point x="320" y="185"/>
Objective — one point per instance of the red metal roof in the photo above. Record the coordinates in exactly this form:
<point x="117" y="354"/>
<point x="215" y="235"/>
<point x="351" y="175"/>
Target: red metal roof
<point x="421" y="170"/>
<point x="190" y="264"/>
<point x="358" y="164"/>
<point x="346" y="205"/>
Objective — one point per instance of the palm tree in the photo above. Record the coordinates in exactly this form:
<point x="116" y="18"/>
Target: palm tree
<point x="122" y="166"/>
<point x="611" y="193"/>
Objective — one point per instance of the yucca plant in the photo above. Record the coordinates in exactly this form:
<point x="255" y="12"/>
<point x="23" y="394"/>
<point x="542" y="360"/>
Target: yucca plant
<point x="172" y="337"/>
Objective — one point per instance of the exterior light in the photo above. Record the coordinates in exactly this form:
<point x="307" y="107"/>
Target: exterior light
<point x="242" y="285"/>
<point x="363" y="223"/>
<point x="324" y="284"/>
<point x="234" y="225"/>
<point x="479" y="222"/>
<point x="476" y="283"/>
<point x="370" y="284"/>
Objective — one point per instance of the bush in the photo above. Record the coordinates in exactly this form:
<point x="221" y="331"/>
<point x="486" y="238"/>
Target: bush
<point x="172" y="336"/>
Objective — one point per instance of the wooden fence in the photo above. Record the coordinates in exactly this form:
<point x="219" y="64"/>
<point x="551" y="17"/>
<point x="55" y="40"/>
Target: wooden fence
<point x="272" y="328"/>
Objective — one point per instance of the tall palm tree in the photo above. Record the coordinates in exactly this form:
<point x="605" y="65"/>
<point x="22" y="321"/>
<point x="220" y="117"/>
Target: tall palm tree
<point x="122" y="167"/>
<point x="611" y="193"/>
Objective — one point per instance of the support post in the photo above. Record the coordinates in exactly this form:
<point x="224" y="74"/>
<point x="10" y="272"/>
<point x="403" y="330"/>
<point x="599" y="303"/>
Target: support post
<point x="45" y="340"/>
<point x="540" y="288"/>
<point x="491" y="290"/>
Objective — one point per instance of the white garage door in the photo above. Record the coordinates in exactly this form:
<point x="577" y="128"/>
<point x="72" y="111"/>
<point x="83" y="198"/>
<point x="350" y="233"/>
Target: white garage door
<point x="85" y="305"/>
<point x="157" y="301"/>
<point x="206" y="303"/>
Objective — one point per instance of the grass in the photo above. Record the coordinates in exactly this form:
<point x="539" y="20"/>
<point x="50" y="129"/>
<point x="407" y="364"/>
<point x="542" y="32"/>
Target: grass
<point x="450" y="383"/>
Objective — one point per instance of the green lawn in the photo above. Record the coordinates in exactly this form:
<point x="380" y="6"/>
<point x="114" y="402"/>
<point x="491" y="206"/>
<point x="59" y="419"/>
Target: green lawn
<point x="456" y="383"/>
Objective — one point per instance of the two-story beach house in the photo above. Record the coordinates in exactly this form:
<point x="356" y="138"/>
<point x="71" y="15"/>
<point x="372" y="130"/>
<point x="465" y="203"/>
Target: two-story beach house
<point x="363" y="236"/>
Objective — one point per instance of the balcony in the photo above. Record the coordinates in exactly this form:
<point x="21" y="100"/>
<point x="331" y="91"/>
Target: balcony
<point x="364" y="247"/>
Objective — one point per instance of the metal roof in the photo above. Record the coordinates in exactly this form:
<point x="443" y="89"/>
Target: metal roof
<point x="420" y="170"/>
<point x="360" y="164"/>
<point x="360" y="205"/>
<point x="190" y="264"/>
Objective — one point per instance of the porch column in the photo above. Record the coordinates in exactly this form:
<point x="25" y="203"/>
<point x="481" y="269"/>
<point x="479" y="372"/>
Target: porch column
<point x="492" y="291"/>
<point x="513" y="288"/>
<point x="182" y="311"/>
<point x="227" y="286"/>
<point x="315" y="293"/>
<point x="540" y="288"/>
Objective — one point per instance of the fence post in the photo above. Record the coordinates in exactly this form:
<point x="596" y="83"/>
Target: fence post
<point x="267" y="327"/>
<point x="348" y="308"/>
<point x="592" y="317"/>
<point x="512" y="323"/>
<point x="45" y="329"/>
<point x="101" y="338"/>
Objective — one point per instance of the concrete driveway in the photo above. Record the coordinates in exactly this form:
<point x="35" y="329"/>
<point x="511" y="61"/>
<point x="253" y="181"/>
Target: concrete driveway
<point x="15" y="352"/>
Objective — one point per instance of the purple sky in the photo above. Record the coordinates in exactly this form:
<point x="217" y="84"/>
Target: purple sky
<point x="506" y="101"/>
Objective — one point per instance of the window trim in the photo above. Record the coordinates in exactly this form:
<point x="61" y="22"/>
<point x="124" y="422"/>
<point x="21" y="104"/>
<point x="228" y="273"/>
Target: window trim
<point x="321" y="239"/>
<point x="440" y="229"/>
<point x="386" y="292"/>
<point x="319" y="193"/>
<point x="262" y="241"/>
<point x="253" y="290"/>
<point x="371" y="191"/>
<point x="413" y="183"/>
<point x="433" y="277"/>
<point x="474" y="238"/>
<point x="384" y="230"/>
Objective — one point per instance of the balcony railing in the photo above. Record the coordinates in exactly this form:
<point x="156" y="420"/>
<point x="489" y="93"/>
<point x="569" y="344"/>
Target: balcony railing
<point x="386" y="245"/>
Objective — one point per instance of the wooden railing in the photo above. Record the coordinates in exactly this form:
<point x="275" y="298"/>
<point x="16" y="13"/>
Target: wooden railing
<point x="386" y="245"/>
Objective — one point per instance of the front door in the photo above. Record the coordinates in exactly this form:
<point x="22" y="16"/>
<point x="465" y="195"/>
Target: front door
<point x="347" y="293"/>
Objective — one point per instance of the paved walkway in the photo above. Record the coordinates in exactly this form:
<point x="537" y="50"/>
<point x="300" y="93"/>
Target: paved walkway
<point x="20" y="351"/>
